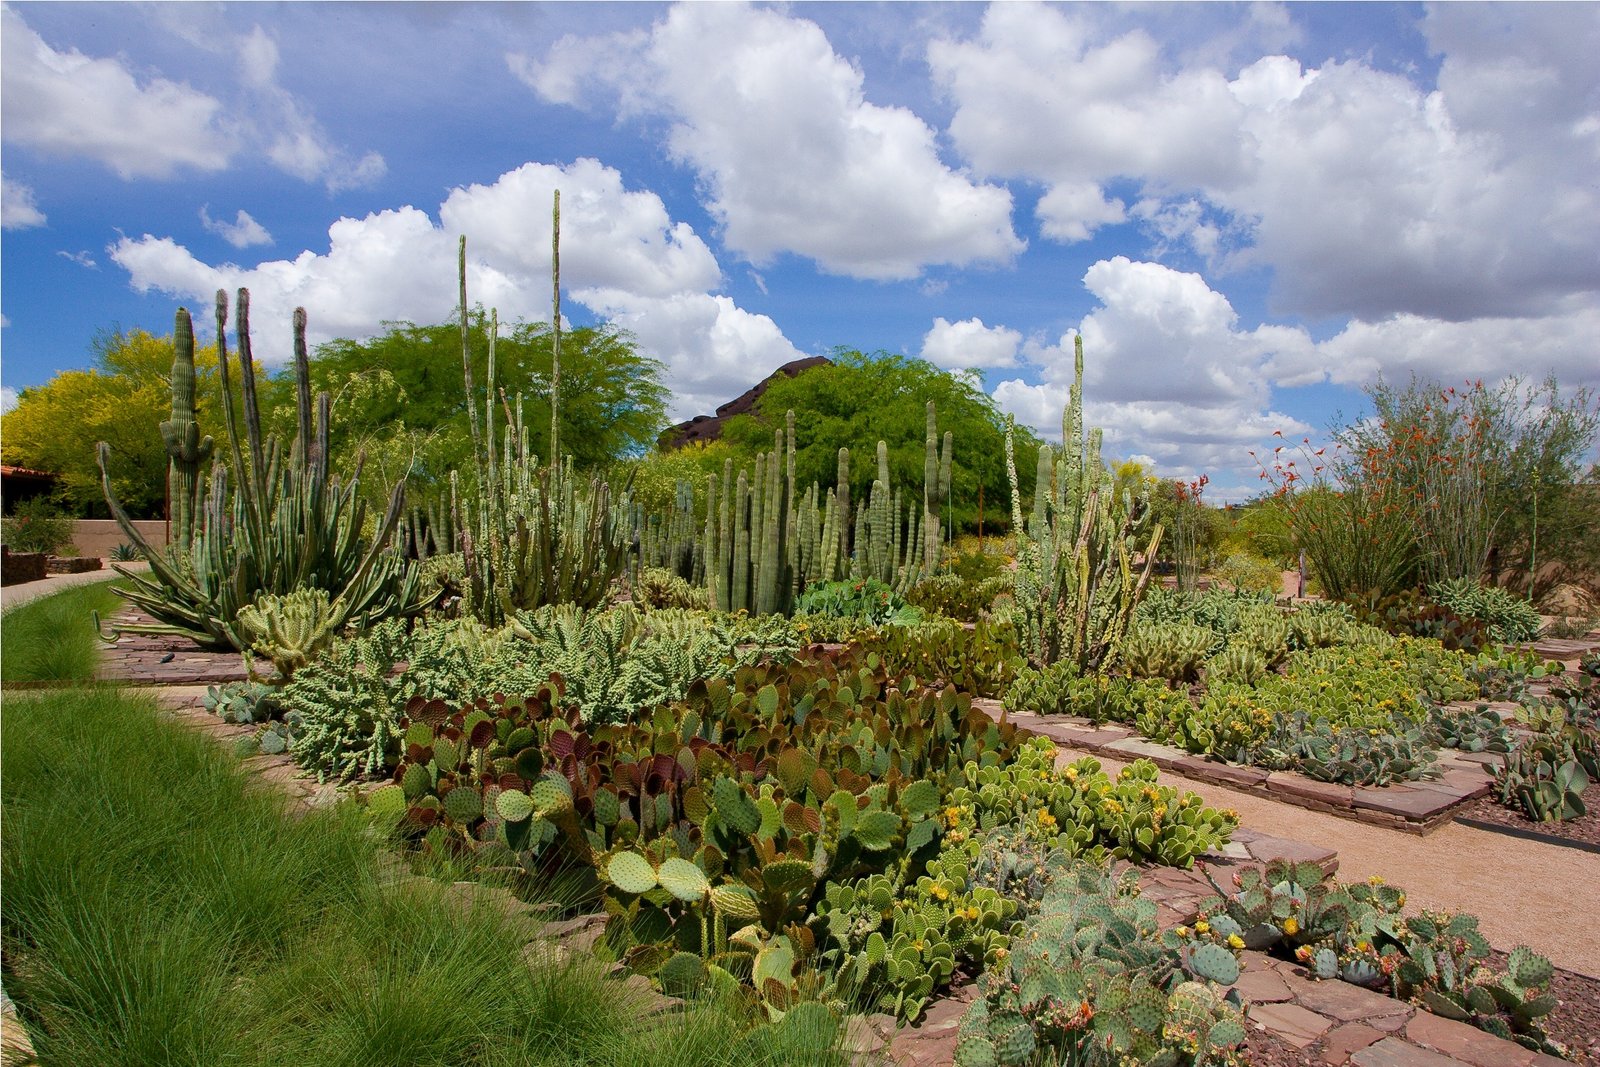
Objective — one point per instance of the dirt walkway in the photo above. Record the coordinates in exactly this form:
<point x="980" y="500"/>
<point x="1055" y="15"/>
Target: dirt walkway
<point x="1523" y="892"/>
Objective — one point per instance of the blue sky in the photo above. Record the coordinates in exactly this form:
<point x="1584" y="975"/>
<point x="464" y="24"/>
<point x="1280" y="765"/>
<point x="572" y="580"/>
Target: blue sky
<point x="1248" y="211"/>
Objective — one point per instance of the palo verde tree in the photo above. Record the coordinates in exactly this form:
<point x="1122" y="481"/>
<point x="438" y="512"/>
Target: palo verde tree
<point x="127" y="391"/>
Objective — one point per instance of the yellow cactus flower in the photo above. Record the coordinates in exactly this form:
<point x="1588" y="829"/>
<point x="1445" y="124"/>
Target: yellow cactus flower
<point x="1046" y="819"/>
<point x="1235" y="941"/>
<point x="1202" y="927"/>
<point x="1291" y="926"/>
<point x="940" y="892"/>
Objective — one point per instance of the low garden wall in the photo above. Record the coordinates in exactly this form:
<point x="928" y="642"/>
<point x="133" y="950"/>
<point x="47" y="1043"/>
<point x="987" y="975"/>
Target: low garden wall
<point x="97" y="537"/>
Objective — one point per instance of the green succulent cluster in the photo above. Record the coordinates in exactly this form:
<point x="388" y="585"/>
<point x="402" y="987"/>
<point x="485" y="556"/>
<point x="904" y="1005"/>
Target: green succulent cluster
<point x="1219" y="610"/>
<point x="873" y="602"/>
<point x="244" y="702"/>
<point x="1059" y="689"/>
<point x="981" y="661"/>
<point x="1238" y="664"/>
<point x="1350" y="755"/>
<point x="1504" y="673"/>
<point x="1081" y="811"/>
<point x="1546" y="774"/>
<point x="1357" y="932"/>
<point x="657" y="587"/>
<point x="289" y="630"/>
<point x="1311" y="627"/>
<point x="1091" y="980"/>
<point x="1476" y="729"/>
<point x="269" y="517"/>
<point x="958" y="597"/>
<point x="1507" y="617"/>
<point x="1174" y="651"/>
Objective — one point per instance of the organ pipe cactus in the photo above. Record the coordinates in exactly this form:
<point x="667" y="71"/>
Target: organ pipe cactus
<point x="271" y="521"/>
<point x="1076" y="582"/>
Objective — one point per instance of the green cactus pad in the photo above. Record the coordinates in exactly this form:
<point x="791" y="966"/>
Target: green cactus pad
<point x="463" y="804"/>
<point x="631" y="873"/>
<point x="419" y="733"/>
<point x="787" y="876"/>
<point x="549" y="796"/>
<point x="607" y="807"/>
<point x="683" y="880"/>
<point x="446" y="754"/>
<point x="415" y="781"/>
<point x="514" y="806"/>
<point x="734" y="903"/>
<point x="681" y="975"/>
<point x="876" y="829"/>
<point x="735" y="807"/>
<point x="386" y="802"/>
<point x="920" y="798"/>
<point x="1528" y="968"/>
<point x="1215" y="963"/>
<point x="976" y="1051"/>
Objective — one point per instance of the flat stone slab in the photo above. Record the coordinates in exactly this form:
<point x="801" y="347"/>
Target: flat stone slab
<point x="1289" y="1022"/>
<point x="1393" y="1052"/>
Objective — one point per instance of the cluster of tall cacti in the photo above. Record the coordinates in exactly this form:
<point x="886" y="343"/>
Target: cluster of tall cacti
<point x="270" y="521"/>
<point x="529" y="535"/>
<point x="533" y="535"/>
<point x="1077" y="579"/>
<point x="754" y="543"/>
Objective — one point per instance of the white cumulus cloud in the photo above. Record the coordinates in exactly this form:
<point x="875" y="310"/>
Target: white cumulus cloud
<point x="969" y="343"/>
<point x="8" y="398"/>
<point x="71" y="105"/>
<point x="243" y="232"/>
<point x="792" y="155"/>
<point x="622" y="257"/>
<point x="1366" y="192"/>
<point x="18" y="208"/>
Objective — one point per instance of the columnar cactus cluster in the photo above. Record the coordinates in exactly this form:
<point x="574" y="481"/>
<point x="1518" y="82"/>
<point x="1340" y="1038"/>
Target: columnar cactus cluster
<point x="272" y="520"/>
<point x="1077" y="580"/>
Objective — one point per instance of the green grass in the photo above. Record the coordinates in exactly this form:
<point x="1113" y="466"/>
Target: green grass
<point x="161" y="909"/>
<point x="53" y="638"/>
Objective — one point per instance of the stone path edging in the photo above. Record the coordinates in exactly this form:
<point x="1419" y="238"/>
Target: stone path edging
<point x="1416" y="807"/>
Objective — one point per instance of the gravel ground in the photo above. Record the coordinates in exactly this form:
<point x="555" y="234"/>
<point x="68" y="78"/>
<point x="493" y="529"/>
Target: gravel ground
<point x="1585" y="830"/>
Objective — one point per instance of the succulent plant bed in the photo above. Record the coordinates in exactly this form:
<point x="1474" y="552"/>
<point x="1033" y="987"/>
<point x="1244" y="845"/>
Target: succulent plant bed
<point x="1485" y="813"/>
<point x="1413" y="806"/>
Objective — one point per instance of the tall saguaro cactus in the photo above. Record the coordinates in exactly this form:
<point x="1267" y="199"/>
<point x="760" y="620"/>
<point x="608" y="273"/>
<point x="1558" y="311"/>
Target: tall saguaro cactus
<point x="1076" y="586"/>
<point x="187" y="451"/>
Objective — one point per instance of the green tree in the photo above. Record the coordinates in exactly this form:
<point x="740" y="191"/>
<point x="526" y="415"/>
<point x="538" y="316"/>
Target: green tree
<point x="859" y="400"/>
<point x="120" y="400"/>
<point x="401" y="400"/>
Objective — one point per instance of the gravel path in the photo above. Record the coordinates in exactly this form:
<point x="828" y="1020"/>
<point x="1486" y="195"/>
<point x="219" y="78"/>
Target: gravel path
<point x="1523" y="892"/>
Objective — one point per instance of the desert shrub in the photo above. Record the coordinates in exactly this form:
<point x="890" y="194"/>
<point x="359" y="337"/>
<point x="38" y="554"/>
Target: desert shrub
<point x="955" y="597"/>
<point x="981" y="661"/>
<point x="1249" y="573"/>
<point x="36" y="526"/>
